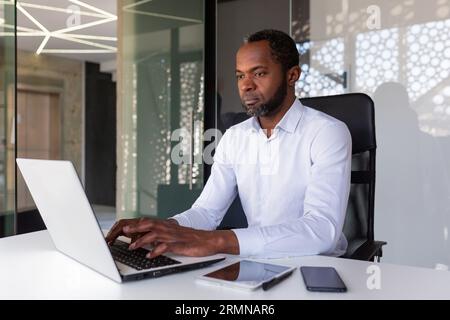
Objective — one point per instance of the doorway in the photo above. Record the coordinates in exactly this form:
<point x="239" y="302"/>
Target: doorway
<point x="38" y="134"/>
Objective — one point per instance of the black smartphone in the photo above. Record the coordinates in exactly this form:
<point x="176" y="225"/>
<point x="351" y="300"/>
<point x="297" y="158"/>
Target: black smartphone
<point x="322" y="279"/>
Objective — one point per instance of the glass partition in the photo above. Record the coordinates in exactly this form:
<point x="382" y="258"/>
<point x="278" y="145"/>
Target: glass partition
<point x="398" y="52"/>
<point x="7" y="119"/>
<point x="160" y="106"/>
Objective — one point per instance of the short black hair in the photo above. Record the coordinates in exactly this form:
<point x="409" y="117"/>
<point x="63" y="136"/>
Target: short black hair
<point x="282" y="45"/>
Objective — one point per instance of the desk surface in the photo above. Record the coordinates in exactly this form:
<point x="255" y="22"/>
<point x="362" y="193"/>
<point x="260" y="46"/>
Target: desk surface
<point x="31" y="268"/>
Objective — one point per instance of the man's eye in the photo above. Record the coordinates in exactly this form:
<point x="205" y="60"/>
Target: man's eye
<point x="260" y="74"/>
<point x="239" y="76"/>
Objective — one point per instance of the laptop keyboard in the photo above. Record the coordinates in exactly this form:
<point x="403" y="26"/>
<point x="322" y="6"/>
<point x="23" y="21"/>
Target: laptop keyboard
<point x="136" y="258"/>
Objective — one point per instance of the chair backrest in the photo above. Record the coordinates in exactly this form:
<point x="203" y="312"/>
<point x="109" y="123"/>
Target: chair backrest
<point x="356" y="110"/>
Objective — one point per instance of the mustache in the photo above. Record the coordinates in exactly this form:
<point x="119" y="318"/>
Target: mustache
<point x="250" y="97"/>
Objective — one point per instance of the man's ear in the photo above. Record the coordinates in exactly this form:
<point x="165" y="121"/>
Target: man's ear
<point x="293" y="75"/>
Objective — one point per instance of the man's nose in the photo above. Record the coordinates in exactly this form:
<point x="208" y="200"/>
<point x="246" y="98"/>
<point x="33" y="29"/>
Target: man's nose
<point x="247" y="84"/>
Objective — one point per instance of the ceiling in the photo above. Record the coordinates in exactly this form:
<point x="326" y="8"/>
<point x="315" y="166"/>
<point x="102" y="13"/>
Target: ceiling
<point x="77" y="29"/>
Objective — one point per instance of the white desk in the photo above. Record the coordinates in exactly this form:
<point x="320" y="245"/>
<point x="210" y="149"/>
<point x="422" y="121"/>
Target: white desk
<point x="31" y="268"/>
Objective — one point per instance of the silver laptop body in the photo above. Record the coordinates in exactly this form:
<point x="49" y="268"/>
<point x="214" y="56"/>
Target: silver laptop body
<point x="73" y="227"/>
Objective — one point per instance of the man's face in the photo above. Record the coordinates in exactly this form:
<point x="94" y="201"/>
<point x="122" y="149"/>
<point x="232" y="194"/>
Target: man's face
<point x="261" y="81"/>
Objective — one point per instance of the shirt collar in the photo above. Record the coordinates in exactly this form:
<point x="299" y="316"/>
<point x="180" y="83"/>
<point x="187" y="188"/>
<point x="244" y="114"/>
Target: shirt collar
<point x="290" y="119"/>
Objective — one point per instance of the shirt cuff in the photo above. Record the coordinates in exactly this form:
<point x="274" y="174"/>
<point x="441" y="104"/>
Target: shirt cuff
<point x="251" y="241"/>
<point x="182" y="220"/>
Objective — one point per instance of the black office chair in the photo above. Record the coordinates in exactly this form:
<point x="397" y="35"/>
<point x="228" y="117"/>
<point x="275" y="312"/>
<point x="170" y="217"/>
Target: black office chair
<point x="356" y="110"/>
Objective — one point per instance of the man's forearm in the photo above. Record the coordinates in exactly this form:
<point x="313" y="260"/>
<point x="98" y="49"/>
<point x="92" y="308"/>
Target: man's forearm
<point x="225" y="241"/>
<point x="173" y="221"/>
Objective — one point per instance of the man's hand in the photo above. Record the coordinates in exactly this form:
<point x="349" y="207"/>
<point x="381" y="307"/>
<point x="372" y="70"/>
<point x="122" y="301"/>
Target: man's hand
<point x="117" y="229"/>
<point x="170" y="237"/>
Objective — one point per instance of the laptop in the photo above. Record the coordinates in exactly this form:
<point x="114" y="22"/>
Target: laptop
<point x="73" y="227"/>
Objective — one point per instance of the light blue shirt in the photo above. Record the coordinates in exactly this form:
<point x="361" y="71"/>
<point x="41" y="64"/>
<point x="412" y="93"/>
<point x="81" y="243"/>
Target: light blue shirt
<point x="294" y="186"/>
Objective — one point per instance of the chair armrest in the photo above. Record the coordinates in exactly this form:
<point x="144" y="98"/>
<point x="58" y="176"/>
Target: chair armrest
<point x="368" y="250"/>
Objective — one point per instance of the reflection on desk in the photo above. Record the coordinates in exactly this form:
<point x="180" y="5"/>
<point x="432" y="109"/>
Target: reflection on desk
<point x="31" y="268"/>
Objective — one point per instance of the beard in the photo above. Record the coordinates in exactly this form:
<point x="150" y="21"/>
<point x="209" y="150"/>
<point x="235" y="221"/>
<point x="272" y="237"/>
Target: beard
<point x="268" y="108"/>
